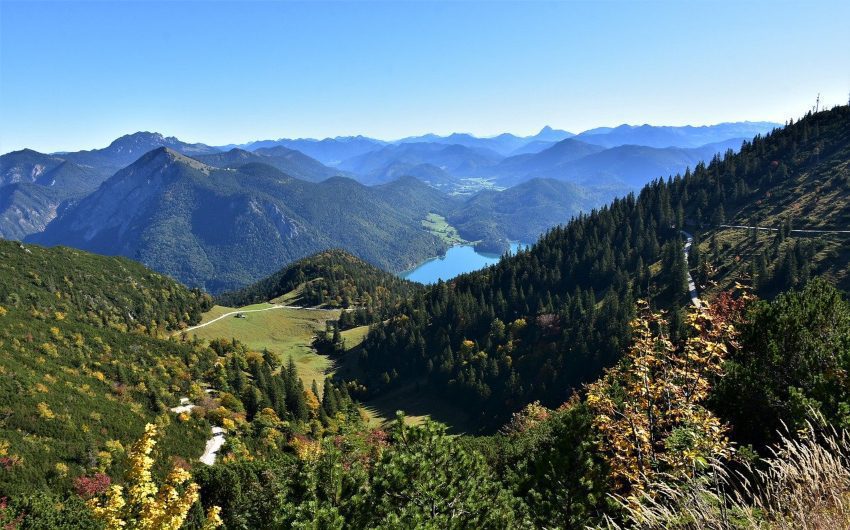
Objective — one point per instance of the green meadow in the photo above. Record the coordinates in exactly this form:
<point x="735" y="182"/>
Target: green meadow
<point x="285" y="332"/>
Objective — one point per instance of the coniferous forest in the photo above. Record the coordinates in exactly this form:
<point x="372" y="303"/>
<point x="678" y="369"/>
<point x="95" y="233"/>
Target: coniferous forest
<point x="539" y="325"/>
<point x="428" y="265"/>
<point x="600" y="395"/>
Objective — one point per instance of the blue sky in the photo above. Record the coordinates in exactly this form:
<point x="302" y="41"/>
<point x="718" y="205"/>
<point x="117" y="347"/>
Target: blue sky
<point x="77" y="75"/>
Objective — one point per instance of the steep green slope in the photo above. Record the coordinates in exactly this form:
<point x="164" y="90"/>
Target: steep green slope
<point x="521" y="213"/>
<point x="542" y="323"/>
<point x="795" y="180"/>
<point x="223" y="228"/>
<point x="81" y="369"/>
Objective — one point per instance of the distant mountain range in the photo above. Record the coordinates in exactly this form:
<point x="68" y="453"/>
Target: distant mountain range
<point x="223" y="228"/>
<point x="35" y="186"/>
<point x="287" y="160"/>
<point x="330" y="151"/>
<point x="190" y="210"/>
<point x="504" y="144"/>
<point x="508" y="159"/>
<point x="624" y="166"/>
<point x="393" y="160"/>
<point x="664" y="136"/>
<point x="220" y="228"/>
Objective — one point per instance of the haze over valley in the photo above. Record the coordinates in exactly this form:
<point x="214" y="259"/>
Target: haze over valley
<point x="221" y="217"/>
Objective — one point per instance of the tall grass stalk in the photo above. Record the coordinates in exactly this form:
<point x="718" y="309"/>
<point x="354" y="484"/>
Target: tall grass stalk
<point x="803" y="485"/>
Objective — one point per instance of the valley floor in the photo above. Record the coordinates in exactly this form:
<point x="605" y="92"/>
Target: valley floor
<point x="290" y="330"/>
<point x="287" y="331"/>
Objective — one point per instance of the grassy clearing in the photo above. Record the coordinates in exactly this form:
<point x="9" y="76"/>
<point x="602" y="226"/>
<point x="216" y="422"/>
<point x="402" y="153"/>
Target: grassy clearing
<point x="415" y="400"/>
<point x="437" y="225"/>
<point x="290" y="298"/>
<point x="291" y="331"/>
<point x="285" y="332"/>
<point x="354" y="337"/>
<point x="418" y="404"/>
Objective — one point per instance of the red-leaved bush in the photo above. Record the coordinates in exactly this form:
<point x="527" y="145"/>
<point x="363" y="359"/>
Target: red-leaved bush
<point x="88" y="487"/>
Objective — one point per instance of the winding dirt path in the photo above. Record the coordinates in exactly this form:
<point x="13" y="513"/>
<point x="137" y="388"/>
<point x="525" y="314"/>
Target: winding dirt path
<point x="799" y="231"/>
<point x="276" y="306"/>
<point x="213" y="446"/>
<point x="692" y="286"/>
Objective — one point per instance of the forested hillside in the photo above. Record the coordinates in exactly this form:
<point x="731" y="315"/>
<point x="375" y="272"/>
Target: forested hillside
<point x="223" y="228"/>
<point x="538" y="325"/>
<point x="85" y="366"/>
<point x="792" y="185"/>
<point x="82" y="368"/>
<point x="331" y="279"/>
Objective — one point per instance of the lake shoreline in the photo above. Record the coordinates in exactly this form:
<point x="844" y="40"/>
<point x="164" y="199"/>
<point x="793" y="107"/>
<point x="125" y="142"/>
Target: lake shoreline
<point x="458" y="259"/>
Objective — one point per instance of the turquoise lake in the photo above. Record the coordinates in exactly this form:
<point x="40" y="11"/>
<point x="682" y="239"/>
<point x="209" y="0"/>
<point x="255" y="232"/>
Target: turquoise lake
<point x="458" y="260"/>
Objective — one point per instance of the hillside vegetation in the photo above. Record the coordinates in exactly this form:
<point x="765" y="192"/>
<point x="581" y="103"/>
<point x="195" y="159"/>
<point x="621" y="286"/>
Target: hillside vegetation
<point x="220" y="229"/>
<point x="538" y="325"/>
<point x="82" y="369"/>
<point x="85" y="367"/>
<point x="611" y="400"/>
<point x="330" y="279"/>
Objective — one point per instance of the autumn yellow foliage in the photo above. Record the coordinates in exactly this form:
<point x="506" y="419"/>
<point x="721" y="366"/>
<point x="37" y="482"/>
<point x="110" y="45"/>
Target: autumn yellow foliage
<point x="649" y="408"/>
<point x="142" y="504"/>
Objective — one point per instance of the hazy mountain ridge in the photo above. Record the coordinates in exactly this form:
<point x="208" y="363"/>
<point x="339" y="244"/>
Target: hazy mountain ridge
<point x="290" y="161"/>
<point x="625" y="167"/>
<point x="457" y="160"/>
<point x="221" y="229"/>
<point x="674" y="136"/>
<point x="329" y="151"/>
<point x="128" y="148"/>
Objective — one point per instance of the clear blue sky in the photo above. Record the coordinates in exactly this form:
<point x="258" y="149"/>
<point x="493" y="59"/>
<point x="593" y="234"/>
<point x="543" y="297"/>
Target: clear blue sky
<point x="77" y="75"/>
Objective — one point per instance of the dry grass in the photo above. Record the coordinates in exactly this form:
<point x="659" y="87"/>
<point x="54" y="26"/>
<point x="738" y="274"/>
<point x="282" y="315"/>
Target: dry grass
<point x="804" y="485"/>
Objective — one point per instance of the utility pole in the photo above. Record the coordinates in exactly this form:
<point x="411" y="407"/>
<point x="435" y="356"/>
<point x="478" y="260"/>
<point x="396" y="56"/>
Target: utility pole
<point x="817" y="103"/>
